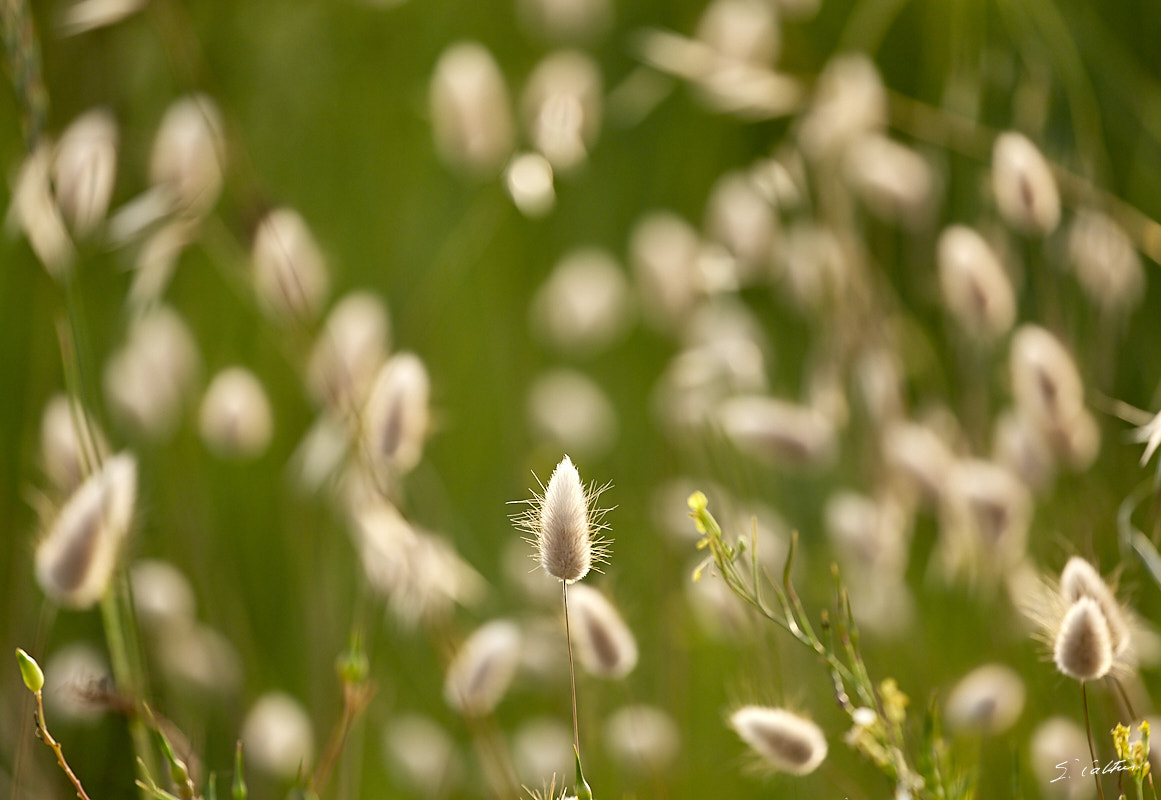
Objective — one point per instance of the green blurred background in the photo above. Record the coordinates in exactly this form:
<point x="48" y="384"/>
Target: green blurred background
<point x="327" y="100"/>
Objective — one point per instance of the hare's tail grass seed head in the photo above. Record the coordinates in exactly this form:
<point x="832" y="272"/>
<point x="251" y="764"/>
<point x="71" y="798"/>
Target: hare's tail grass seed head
<point x="564" y="525"/>
<point x="786" y="741"/>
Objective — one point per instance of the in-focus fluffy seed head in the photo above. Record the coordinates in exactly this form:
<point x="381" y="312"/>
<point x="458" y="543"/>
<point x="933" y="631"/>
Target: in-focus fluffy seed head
<point x="1080" y="579"/>
<point x="76" y="559"/>
<point x="1083" y="645"/>
<point x="484" y="667"/>
<point x="1025" y="189"/>
<point x="605" y="645"/>
<point x="785" y="740"/>
<point x="563" y="524"/>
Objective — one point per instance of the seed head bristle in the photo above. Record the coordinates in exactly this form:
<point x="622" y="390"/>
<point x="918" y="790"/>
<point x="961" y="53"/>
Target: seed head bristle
<point x="564" y="523"/>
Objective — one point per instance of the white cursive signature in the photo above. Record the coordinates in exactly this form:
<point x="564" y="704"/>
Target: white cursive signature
<point x="1091" y="769"/>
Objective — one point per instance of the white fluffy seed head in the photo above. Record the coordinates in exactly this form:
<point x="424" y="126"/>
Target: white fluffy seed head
<point x="277" y="736"/>
<point x="563" y="535"/>
<point x="1083" y="648"/>
<point x="84" y="169"/>
<point x="1106" y="264"/>
<point x="1045" y="381"/>
<point x="976" y="289"/>
<point x="778" y="431"/>
<point x="35" y="211"/>
<point x="162" y="595"/>
<point x="742" y="30"/>
<point x="561" y="105"/>
<point x="605" y="645"/>
<point x="849" y="100"/>
<point x="483" y="669"/>
<point x="895" y="183"/>
<point x="421" y="753"/>
<point x="642" y="738"/>
<point x="584" y="305"/>
<point x="66" y="449"/>
<point x="471" y="111"/>
<point x="570" y="409"/>
<point x="528" y="179"/>
<point x="1025" y="189"/>
<point x="348" y="352"/>
<point x="75" y="561"/>
<point x="989" y="699"/>
<point x="188" y="155"/>
<point x="290" y="273"/>
<point x="236" y="420"/>
<point x="396" y="417"/>
<point x="1058" y="740"/>
<point x="663" y="250"/>
<point x="1080" y="579"/>
<point x="786" y="741"/>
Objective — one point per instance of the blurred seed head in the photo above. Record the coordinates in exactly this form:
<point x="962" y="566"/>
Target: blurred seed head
<point x="785" y="741"/>
<point x="542" y="748"/>
<point x="778" y="431"/>
<point x="642" y="739"/>
<point x="290" y="273"/>
<point x="988" y="700"/>
<point x="1021" y="447"/>
<point x="812" y="266"/>
<point x="319" y="459"/>
<point x="878" y="375"/>
<point x="1083" y="649"/>
<point x="561" y="21"/>
<point x="77" y="556"/>
<point x="605" y="645"/>
<point x="348" y="352"/>
<point x="562" y="107"/>
<point x="895" y="183"/>
<point x="1023" y="185"/>
<point x="986" y="515"/>
<point x="157" y="261"/>
<point x="396" y="418"/>
<point x="663" y="252"/>
<point x="86" y="15"/>
<point x="569" y="409"/>
<point x="35" y="212"/>
<point x="75" y="678"/>
<point x="483" y="668"/>
<point x="148" y="379"/>
<point x="698" y="379"/>
<point x="882" y="604"/>
<point x="744" y="222"/>
<point x="849" y="101"/>
<point x="742" y="30"/>
<point x="919" y="456"/>
<point x="584" y="305"/>
<point x="236" y="420"/>
<point x="84" y="169"/>
<point x="68" y="452"/>
<point x="1105" y="261"/>
<point x="1059" y="740"/>
<point x="277" y="737"/>
<point x="162" y="595"/>
<point x="422" y="754"/>
<point x="868" y="535"/>
<point x="471" y="112"/>
<point x="976" y="289"/>
<point x="189" y="152"/>
<point x="528" y="179"/>
<point x="198" y="660"/>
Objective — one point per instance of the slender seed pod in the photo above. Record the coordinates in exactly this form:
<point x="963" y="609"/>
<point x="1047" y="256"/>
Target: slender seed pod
<point x="606" y="646"/>
<point x="1025" y="189"/>
<point x="1078" y="580"/>
<point x="785" y="740"/>
<point x="484" y="667"/>
<point x="1083" y="648"/>
<point x="75" y="561"/>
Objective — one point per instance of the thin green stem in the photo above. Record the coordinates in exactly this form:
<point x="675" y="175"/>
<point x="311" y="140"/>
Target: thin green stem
<point x="1091" y="747"/>
<point x="571" y="670"/>
<point x="126" y="674"/>
<point x="54" y="745"/>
